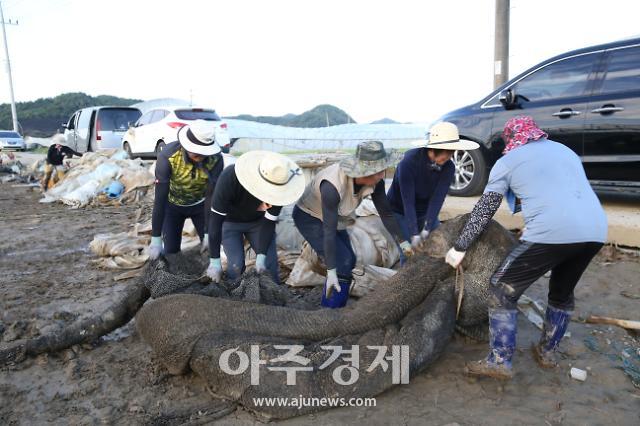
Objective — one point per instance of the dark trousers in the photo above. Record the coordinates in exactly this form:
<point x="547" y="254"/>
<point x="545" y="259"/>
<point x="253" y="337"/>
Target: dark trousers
<point x="529" y="261"/>
<point x="312" y="230"/>
<point x="233" y="235"/>
<point x="404" y="225"/>
<point x="174" y="218"/>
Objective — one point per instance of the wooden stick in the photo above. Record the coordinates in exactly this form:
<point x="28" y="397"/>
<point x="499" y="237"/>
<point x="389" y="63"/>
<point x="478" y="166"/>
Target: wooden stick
<point x="633" y="325"/>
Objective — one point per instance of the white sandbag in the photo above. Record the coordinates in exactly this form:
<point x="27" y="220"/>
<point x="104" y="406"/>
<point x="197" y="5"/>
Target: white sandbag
<point x="367" y="208"/>
<point x="371" y="242"/>
<point x="120" y="155"/>
<point x="303" y="273"/>
<point x="133" y="178"/>
<point x="106" y="245"/>
<point x="367" y="277"/>
<point x="80" y="197"/>
<point x="288" y="237"/>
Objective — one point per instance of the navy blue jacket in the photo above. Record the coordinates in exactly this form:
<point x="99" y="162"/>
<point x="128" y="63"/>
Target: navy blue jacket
<point x="418" y="189"/>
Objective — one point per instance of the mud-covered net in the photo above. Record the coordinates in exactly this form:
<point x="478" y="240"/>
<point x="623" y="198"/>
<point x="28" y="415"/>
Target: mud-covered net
<point x="412" y="315"/>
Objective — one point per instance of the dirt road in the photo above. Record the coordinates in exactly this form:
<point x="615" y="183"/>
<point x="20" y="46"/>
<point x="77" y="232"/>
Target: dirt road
<point x="47" y="280"/>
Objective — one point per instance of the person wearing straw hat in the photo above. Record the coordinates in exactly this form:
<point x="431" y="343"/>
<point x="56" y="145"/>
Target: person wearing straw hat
<point x="328" y="205"/>
<point x="186" y="173"/>
<point x="565" y="227"/>
<point x="246" y="203"/>
<point x="421" y="182"/>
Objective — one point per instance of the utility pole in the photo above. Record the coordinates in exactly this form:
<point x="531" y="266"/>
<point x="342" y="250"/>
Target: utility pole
<point x="14" y="115"/>
<point x="501" y="50"/>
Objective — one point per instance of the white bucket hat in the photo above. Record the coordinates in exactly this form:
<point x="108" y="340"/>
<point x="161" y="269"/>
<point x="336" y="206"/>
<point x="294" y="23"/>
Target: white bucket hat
<point x="444" y="135"/>
<point x="199" y="138"/>
<point x="270" y="177"/>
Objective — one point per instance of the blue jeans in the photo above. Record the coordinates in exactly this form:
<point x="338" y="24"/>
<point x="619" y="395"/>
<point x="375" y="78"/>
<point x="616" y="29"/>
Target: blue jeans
<point x="404" y="226"/>
<point x="233" y="234"/>
<point x="312" y="230"/>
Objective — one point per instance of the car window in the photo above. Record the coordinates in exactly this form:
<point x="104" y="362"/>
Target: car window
<point x="145" y="119"/>
<point x="9" y="135"/>
<point x="623" y="71"/>
<point x="117" y="119"/>
<point x="72" y="122"/>
<point x="494" y="101"/>
<point x="561" y="79"/>
<point x="157" y="115"/>
<point x="197" y="114"/>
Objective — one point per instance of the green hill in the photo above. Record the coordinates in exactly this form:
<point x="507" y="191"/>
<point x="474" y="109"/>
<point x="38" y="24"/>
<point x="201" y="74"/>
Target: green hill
<point x="320" y="116"/>
<point x="42" y="117"/>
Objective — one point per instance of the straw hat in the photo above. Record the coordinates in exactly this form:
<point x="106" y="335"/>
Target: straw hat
<point x="270" y="177"/>
<point x="370" y="158"/>
<point x="444" y="135"/>
<point x="199" y="138"/>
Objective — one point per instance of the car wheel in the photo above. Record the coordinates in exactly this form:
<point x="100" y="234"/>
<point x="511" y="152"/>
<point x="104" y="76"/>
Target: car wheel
<point x="127" y="149"/>
<point x="160" y="146"/>
<point x="470" y="173"/>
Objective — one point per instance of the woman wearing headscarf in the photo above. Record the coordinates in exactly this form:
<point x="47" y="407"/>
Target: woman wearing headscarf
<point x="565" y="227"/>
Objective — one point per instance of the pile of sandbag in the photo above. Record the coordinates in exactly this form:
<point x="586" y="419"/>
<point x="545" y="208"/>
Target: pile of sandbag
<point x="100" y="173"/>
<point x="11" y="169"/>
<point x="128" y="250"/>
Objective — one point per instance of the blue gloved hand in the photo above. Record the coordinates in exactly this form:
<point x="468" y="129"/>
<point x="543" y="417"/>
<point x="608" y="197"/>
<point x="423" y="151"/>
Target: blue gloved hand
<point x="407" y="250"/>
<point x="155" y="248"/>
<point x="331" y="283"/>
<point x="261" y="261"/>
<point x="214" y="271"/>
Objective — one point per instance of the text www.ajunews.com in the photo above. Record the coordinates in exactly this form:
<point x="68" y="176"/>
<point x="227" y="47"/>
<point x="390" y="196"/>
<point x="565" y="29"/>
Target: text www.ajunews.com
<point x="303" y="402"/>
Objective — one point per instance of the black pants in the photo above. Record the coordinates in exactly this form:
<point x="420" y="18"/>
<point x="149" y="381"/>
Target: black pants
<point x="174" y="218"/>
<point x="529" y="261"/>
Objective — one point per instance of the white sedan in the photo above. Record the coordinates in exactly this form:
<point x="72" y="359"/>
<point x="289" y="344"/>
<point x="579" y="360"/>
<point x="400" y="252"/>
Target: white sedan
<point x="159" y="127"/>
<point x="11" y="140"/>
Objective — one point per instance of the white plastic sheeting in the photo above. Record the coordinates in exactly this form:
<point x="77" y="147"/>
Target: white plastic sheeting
<point x="253" y="135"/>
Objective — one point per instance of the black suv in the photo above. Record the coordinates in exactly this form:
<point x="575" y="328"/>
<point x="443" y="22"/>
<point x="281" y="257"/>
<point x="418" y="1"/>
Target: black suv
<point x="587" y="99"/>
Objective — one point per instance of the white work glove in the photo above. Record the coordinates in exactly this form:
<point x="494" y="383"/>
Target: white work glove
<point x="416" y="241"/>
<point x="332" y="283"/>
<point x="155" y="248"/>
<point x="424" y="234"/>
<point x="405" y="246"/>
<point x="204" y="247"/>
<point x="261" y="266"/>
<point x="214" y="271"/>
<point x="454" y="257"/>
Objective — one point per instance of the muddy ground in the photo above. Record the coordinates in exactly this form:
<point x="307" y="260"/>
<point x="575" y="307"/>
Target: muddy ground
<point x="47" y="280"/>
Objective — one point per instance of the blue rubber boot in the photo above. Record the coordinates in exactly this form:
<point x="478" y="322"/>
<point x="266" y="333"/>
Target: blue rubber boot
<point x="335" y="299"/>
<point x="503" y="328"/>
<point x="556" y="322"/>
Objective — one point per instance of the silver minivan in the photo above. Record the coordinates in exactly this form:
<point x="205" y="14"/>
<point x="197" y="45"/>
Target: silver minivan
<point x="101" y="127"/>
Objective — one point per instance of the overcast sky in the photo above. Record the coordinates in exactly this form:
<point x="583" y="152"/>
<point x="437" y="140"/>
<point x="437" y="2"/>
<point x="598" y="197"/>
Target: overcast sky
<point x="408" y="60"/>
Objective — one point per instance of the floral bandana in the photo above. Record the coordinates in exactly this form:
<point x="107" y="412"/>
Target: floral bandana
<point x="520" y="130"/>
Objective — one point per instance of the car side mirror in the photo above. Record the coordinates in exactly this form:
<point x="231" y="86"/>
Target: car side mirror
<point x="64" y="125"/>
<point x="508" y="99"/>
